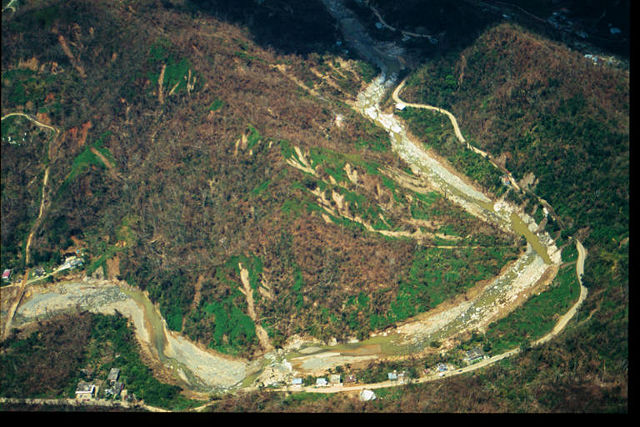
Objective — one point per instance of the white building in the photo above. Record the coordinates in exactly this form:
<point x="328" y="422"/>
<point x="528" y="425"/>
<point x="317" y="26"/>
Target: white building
<point x="366" y="395"/>
<point x="85" y="391"/>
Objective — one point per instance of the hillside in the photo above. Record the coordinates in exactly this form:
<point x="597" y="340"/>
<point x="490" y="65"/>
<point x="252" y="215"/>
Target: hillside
<point x="210" y="154"/>
<point x="195" y="153"/>
<point x="560" y="124"/>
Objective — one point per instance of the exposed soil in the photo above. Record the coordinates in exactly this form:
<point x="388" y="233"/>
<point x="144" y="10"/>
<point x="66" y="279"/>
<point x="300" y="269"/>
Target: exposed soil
<point x="263" y="337"/>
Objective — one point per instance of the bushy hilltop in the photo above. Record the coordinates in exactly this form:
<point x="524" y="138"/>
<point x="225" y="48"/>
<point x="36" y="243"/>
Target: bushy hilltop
<point x="553" y="117"/>
<point x="559" y="121"/>
<point x="232" y="182"/>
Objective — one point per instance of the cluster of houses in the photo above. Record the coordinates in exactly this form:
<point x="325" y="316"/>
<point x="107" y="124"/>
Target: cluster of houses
<point x="87" y="391"/>
<point x="73" y="261"/>
<point x="560" y="21"/>
<point x="337" y="380"/>
<point x="37" y="272"/>
<point x="332" y="381"/>
<point x="401" y="377"/>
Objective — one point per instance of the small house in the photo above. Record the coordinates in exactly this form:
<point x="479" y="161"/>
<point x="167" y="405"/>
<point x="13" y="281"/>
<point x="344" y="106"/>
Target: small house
<point x="400" y="106"/>
<point x="335" y="379"/>
<point x="474" y="354"/>
<point x="117" y="388"/>
<point x="350" y="379"/>
<point x="114" y="374"/>
<point x="6" y="274"/>
<point x="321" y="382"/>
<point x="441" y="367"/>
<point x="85" y="391"/>
<point x="505" y="180"/>
<point x="392" y="376"/>
<point x="296" y="382"/>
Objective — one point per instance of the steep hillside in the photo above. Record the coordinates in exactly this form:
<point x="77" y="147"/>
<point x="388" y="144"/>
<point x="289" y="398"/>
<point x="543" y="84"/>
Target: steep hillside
<point x="193" y="156"/>
<point x="560" y="124"/>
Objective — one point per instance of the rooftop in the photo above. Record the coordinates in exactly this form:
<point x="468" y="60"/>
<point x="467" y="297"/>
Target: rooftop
<point x="84" y="387"/>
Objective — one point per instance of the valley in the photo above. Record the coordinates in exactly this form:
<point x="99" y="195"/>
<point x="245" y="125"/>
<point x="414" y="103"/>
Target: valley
<point x="258" y="321"/>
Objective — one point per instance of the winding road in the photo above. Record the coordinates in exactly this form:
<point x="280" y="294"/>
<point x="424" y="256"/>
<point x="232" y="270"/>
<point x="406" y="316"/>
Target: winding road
<point x="456" y="129"/>
<point x="45" y="180"/>
<point x="36" y="223"/>
<point x="372" y="110"/>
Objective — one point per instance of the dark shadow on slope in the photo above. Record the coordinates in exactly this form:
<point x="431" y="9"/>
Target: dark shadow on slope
<point x="305" y="26"/>
<point x="581" y="24"/>
<point x="287" y="26"/>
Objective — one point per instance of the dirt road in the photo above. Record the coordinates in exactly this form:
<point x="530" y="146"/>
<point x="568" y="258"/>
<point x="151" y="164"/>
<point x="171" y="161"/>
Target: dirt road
<point x="14" y="306"/>
<point x="562" y="322"/>
<point x="74" y="402"/>
<point x="44" y="181"/>
<point x="451" y="117"/>
<point x="212" y="368"/>
<point x="456" y="129"/>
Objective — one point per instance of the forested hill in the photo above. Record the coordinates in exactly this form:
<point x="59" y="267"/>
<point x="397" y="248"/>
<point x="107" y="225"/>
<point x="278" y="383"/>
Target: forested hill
<point x="207" y="152"/>
<point x="188" y="152"/>
<point x="560" y="122"/>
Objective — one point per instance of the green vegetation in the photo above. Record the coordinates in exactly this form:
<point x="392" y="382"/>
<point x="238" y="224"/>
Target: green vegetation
<point x="436" y="130"/>
<point x="216" y="104"/>
<point x="49" y="362"/>
<point x="233" y="328"/>
<point x="550" y="112"/>
<point x="439" y="274"/>
<point x="367" y="71"/>
<point x="569" y="253"/>
<point x="221" y="318"/>
<point x="24" y="154"/>
<point x="178" y="72"/>
<point x="113" y="345"/>
<point x="45" y="363"/>
<point x="85" y="161"/>
<point x="537" y="316"/>
<point x="199" y="203"/>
